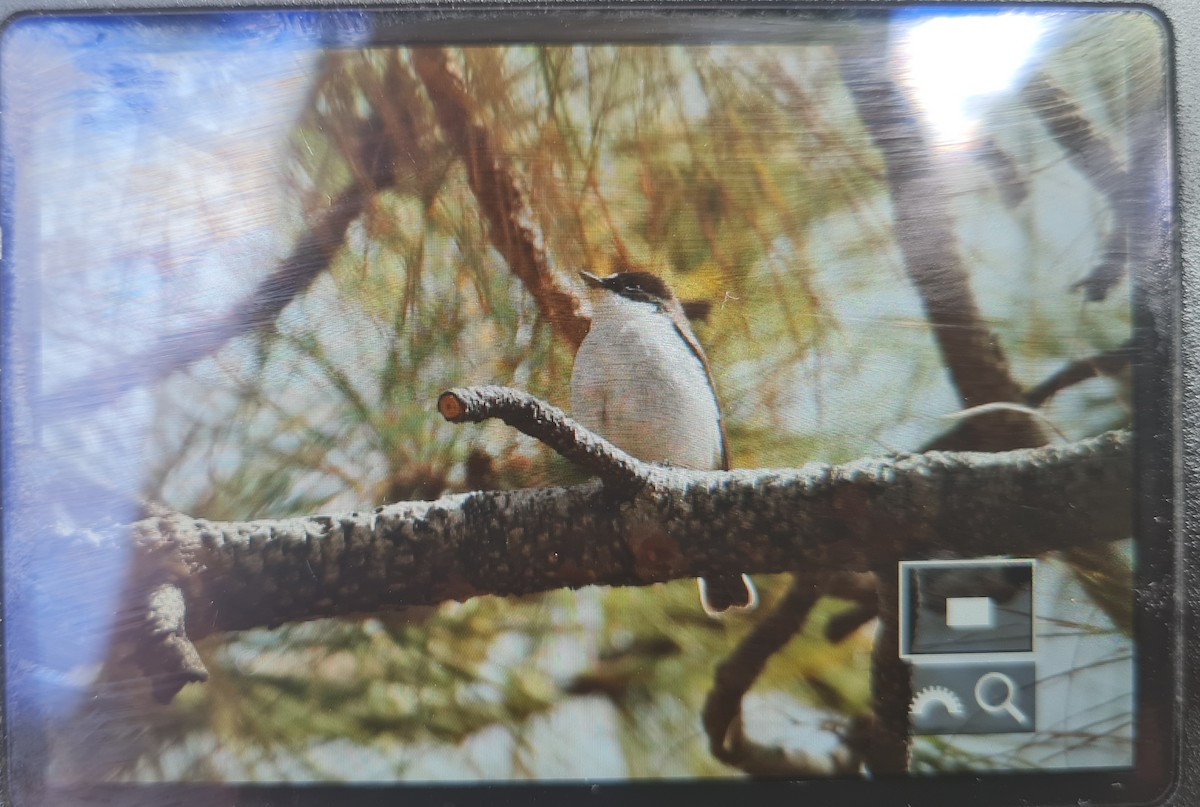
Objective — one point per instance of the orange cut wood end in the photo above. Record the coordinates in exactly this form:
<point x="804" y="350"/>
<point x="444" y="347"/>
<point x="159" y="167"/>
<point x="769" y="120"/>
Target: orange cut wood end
<point x="450" y="406"/>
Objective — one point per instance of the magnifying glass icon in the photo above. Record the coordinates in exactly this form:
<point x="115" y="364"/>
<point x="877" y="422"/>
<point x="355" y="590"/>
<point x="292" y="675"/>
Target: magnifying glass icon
<point x="1006" y="703"/>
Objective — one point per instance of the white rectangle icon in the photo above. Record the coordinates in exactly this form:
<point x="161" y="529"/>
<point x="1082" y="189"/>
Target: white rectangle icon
<point x="970" y="612"/>
<point x="967" y="610"/>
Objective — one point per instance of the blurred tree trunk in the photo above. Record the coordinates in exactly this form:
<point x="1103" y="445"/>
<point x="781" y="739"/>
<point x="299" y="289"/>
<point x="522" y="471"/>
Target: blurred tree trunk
<point x="925" y="231"/>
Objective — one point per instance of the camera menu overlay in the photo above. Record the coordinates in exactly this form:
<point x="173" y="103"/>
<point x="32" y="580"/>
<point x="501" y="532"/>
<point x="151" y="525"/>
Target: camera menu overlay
<point x="966" y="627"/>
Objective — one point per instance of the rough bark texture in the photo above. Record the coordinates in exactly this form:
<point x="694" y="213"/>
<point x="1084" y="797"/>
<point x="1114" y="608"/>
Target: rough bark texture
<point x="513" y="230"/>
<point x="241" y="575"/>
<point x="680" y="524"/>
<point x="619" y="470"/>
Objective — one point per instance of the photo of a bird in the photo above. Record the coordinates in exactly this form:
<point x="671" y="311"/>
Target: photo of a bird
<point x="642" y="381"/>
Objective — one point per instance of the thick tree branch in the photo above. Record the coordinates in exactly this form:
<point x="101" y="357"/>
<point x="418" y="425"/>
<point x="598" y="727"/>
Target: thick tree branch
<point x="513" y="229"/>
<point x="691" y="524"/>
<point x="684" y="524"/>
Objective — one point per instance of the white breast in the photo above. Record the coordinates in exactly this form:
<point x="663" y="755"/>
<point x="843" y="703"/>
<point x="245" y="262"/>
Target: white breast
<point x="638" y="384"/>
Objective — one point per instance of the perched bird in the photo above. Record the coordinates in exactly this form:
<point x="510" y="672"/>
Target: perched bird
<point x="642" y="382"/>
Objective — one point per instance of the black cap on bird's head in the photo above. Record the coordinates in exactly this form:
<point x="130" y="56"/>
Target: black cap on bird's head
<point x="641" y="286"/>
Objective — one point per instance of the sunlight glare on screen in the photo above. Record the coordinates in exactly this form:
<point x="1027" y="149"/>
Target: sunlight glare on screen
<point x="957" y="65"/>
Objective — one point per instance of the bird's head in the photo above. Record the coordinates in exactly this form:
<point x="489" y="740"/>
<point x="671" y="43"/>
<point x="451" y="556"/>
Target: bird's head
<point x="642" y="287"/>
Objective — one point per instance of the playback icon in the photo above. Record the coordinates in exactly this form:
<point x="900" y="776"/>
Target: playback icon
<point x="966" y="607"/>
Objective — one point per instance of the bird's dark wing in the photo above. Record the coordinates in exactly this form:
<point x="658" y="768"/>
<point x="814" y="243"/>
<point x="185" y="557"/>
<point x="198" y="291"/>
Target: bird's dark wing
<point x="675" y="309"/>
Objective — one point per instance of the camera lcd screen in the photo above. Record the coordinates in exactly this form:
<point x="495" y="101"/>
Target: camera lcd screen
<point x="878" y="301"/>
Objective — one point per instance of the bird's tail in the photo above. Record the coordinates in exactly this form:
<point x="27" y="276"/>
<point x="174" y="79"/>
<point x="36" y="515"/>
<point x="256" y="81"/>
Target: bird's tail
<point x="727" y="591"/>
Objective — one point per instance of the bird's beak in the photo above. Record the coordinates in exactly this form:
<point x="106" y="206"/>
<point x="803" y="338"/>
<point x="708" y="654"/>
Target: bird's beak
<point x="591" y="281"/>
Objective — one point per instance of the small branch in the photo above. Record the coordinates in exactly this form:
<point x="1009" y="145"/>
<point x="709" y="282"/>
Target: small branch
<point x="1109" y="363"/>
<point x="514" y="230"/>
<point x="1070" y="128"/>
<point x="738" y="672"/>
<point x="1108" y="271"/>
<point x="722" y="715"/>
<point x="861" y="589"/>
<point x="1014" y="188"/>
<point x="310" y="256"/>
<point x="551" y="426"/>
